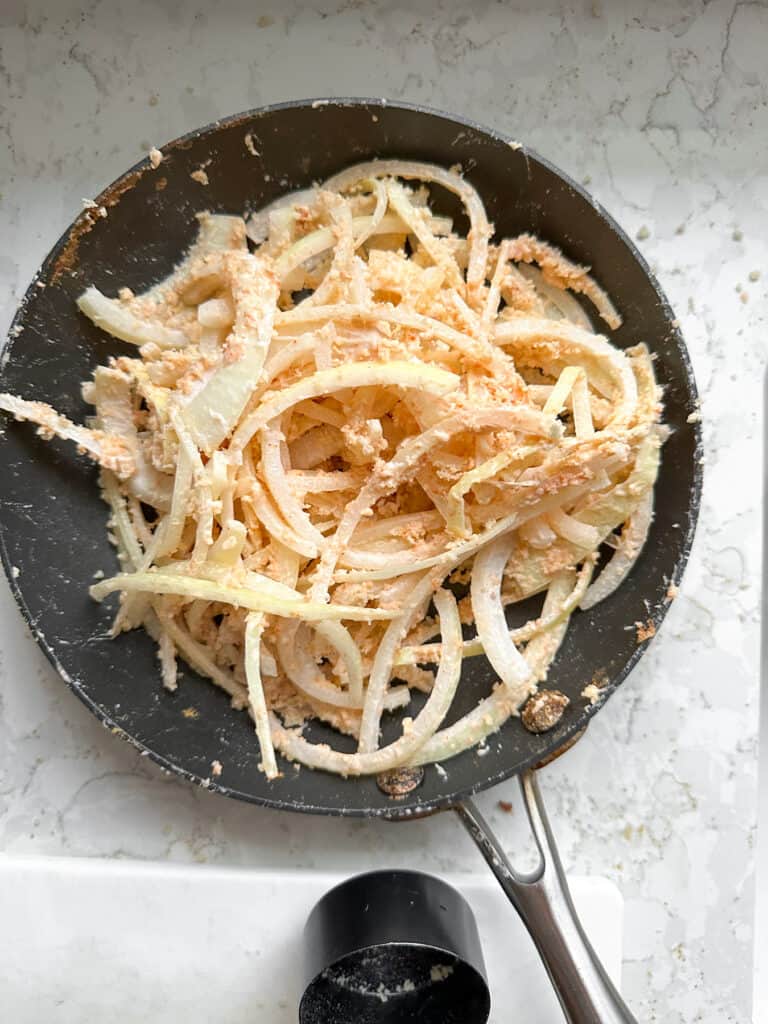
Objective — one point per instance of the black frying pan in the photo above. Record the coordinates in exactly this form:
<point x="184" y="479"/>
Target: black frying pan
<point x="52" y="522"/>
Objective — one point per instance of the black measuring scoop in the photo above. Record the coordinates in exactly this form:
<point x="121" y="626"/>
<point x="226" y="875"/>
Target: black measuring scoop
<point x="393" y="946"/>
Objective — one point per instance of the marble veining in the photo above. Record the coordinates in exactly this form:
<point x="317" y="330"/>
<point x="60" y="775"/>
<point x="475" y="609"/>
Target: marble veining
<point x="662" y="111"/>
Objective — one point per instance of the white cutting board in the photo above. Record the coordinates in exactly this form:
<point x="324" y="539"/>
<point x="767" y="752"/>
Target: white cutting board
<point x="84" y="941"/>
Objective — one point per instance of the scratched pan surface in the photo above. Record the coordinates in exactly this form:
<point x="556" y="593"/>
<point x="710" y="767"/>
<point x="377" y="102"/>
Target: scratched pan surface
<point x="53" y="524"/>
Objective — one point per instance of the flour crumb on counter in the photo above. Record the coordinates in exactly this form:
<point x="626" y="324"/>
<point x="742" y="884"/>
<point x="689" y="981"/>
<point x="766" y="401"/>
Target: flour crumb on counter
<point x="643" y="233"/>
<point x="155" y="157"/>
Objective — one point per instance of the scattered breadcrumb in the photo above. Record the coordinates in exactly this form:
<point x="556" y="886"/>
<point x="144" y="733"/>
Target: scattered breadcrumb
<point x="643" y="233"/>
<point x="514" y="144"/>
<point x="506" y="806"/>
<point x="591" y="693"/>
<point x="737" y="235"/>
<point x="544" y="710"/>
<point x="754" y="275"/>
<point x="155" y="157"/>
<point x="265" y="21"/>
<point x="191" y="713"/>
<point x="216" y="768"/>
<point x="98" y="575"/>
<point x="693" y="417"/>
<point x="644" y="631"/>
<point x="125" y="294"/>
<point x="88" y="204"/>
<point x="200" y="176"/>
<point x="680" y="229"/>
<point x="15" y="572"/>
<point x="40" y="284"/>
<point x="744" y="296"/>
<point x="672" y="591"/>
<point x="153" y="100"/>
<point x="250" y="144"/>
<point x="587" y="179"/>
<point x="441" y="771"/>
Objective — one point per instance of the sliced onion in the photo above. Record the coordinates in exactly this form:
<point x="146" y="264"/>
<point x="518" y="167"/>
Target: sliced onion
<point x="492" y="629"/>
<point x="114" y="318"/>
<point x="571" y="529"/>
<point x="254" y="624"/>
<point x="368" y="762"/>
<point x="630" y="546"/>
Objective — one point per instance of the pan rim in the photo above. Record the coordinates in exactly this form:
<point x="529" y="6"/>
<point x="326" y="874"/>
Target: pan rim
<point x="564" y="738"/>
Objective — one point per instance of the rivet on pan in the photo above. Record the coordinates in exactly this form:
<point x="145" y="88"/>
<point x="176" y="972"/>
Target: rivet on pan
<point x="398" y="782"/>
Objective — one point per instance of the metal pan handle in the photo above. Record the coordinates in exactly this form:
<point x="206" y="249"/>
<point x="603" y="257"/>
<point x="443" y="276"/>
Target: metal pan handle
<point x="542" y="899"/>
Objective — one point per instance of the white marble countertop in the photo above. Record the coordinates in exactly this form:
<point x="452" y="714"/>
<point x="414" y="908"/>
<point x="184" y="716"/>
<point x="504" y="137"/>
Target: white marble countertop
<point x="663" y="110"/>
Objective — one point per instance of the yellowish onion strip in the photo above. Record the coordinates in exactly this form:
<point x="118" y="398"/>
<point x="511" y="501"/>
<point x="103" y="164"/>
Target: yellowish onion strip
<point x="630" y="546"/>
<point x="213" y="411"/>
<point x="199" y="657"/>
<point x="492" y="712"/>
<point x="428" y="653"/>
<point x="551" y="341"/>
<point x="157" y="582"/>
<point x="569" y="528"/>
<point x="537" y="533"/>
<point x="110" y="452"/>
<point x="475" y="349"/>
<point x="582" y="409"/>
<point x="254" y="625"/>
<point x="459" y="552"/>
<point x="492" y="629"/>
<point x="353" y="375"/>
<point x="276" y="480"/>
<point x="565" y="305"/>
<point x="369" y="762"/>
<point x="565" y="382"/>
<point x="416" y="222"/>
<point x="264" y="510"/>
<point x="479" y="228"/>
<point x="405" y="462"/>
<point x="558" y="270"/>
<point x="456" y="520"/>
<point x="383" y="662"/>
<point x="112" y="316"/>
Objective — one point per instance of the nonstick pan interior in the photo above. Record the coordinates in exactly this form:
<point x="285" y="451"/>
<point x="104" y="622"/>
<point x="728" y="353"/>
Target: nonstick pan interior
<point x="53" y="524"/>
